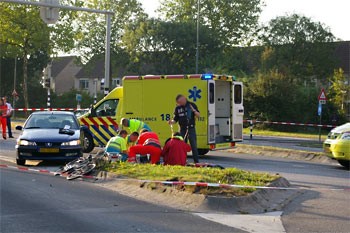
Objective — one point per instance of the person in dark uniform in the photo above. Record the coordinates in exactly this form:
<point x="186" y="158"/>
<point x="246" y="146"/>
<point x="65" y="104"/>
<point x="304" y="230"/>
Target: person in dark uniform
<point x="185" y="114"/>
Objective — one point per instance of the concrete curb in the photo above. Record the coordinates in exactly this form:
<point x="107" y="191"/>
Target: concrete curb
<point x="281" y="153"/>
<point x="261" y="201"/>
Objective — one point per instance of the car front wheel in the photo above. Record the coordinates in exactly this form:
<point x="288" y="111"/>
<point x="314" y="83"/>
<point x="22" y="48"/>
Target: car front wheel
<point x="88" y="144"/>
<point x="21" y="162"/>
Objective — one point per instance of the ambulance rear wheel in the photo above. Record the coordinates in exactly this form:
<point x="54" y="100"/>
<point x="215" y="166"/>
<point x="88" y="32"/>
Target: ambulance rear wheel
<point x="88" y="144"/>
<point x="203" y="151"/>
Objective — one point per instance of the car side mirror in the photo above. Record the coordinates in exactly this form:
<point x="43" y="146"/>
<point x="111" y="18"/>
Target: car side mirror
<point x="19" y="127"/>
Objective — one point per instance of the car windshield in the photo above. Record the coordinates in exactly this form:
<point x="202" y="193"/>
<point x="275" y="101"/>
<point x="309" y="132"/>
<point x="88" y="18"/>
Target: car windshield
<point x="51" y="121"/>
<point x="346" y="136"/>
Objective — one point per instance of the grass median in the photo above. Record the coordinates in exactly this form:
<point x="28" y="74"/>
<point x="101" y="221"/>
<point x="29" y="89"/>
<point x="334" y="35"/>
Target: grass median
<point x="273" y="133"/>
<point x="193" y="174"/>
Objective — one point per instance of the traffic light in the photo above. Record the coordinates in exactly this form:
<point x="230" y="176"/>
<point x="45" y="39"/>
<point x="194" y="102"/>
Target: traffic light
<point x="47" y="83"/>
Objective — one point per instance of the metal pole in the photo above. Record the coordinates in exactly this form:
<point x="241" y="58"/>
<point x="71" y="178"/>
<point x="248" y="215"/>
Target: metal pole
<point x="48" y="99"/>
<point x="197" y="44"/>
<point x="320" y="129"/>
<point x="107" y="53"/>
<point x="95" y="94"/>
<point x="251" y="129"/>
<point x="14" y="87"/>
<point x="49" y="87"/>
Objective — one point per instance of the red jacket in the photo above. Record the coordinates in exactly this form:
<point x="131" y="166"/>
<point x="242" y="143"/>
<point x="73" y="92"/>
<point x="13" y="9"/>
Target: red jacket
<point x="148" y="138"/>
<point x="175" y="152"/>
<point x="3" y="110"/>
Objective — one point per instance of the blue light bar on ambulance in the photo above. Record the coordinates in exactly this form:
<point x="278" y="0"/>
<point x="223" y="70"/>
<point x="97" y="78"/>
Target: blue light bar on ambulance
<point x="207" y="77"/>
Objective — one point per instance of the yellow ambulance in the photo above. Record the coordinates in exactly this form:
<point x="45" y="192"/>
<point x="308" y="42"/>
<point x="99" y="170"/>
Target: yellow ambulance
<point x="151" y="99"/>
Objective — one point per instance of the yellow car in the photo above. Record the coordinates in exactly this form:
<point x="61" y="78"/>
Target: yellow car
<point x="337" y="145"/>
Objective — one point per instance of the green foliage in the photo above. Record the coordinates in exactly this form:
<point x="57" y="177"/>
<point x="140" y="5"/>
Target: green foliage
<point x="36" y="94"/>
<point x="299" y="48"/>
<point x="296" y="29"/>
<point x="68" y="100"/>
<point x="22" y="33"/>
<point x="91" y="28"/>
<point x="169" y="47"/>
<point x="270" y="96"/>
<point x="339" y="90"/>
<point x="234" y="22"/>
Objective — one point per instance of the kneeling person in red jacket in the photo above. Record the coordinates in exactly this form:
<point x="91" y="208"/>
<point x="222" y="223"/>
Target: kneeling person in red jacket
<point x="175" y="151"/>
<point x="148" y="143"/>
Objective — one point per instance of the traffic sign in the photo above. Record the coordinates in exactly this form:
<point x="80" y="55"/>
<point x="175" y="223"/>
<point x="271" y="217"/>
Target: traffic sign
<point x="50" y="15"/>
<point x="322" y="96"/>
<point x="78" y="97"/>
<point x="14" y="93"/>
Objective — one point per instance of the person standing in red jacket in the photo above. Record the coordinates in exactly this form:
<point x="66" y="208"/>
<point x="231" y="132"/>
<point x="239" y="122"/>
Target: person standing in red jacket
<point x="3" y="117"/>
<point x="148" y="143"/>
<point x="175" y="151"/>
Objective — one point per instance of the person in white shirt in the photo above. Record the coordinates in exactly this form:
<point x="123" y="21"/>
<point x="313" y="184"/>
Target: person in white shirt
<point x="8" y="117"/>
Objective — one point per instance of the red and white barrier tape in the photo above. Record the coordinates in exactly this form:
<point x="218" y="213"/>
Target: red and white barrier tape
<point x="46" y="109"/>
<point x="41" y="171"/>
<point x="289" y="123"/>
<point x="227" y="186"/>
<point x="184" y="183"/>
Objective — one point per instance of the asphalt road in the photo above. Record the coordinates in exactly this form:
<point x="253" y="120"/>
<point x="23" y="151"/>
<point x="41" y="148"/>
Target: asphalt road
<point x="316" y="210"/>
<point x="304" y="144"/>
<point x="40" y="203"/>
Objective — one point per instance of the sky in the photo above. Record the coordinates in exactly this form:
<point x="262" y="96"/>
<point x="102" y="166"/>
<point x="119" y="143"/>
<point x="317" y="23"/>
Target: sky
<point x="333" y="13"/>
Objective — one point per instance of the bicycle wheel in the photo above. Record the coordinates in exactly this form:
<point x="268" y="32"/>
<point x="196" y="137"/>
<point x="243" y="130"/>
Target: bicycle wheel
<point x="80" y="172"/>
<point x="74" y="175"/>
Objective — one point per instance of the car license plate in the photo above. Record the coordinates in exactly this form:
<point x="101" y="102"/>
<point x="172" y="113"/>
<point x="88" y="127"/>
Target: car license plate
<point x="49" y="150"/>
<point x="223" y="145"/>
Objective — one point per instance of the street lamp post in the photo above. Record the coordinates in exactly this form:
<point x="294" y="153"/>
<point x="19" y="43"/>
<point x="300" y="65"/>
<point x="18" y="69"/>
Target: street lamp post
<point x="197" y="44"/>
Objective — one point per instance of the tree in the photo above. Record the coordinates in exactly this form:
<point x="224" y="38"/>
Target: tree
<point x="235" y="22"/>
<point x="22" y="34"/>
<point x="91" y="28"/>
<point x="268" y="96"/>
<point x="170" y="47"/>
<point x="298" y="47"/>
<point x="338" y="90"/>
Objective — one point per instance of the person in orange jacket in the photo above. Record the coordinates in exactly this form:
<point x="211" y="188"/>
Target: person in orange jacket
<point x="147" y="144"/>
<point x="3" y="117"/>
<point x="175" y="151"/>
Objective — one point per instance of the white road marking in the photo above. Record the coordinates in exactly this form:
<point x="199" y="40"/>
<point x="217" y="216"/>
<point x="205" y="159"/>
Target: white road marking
<point x="260" y="223"/>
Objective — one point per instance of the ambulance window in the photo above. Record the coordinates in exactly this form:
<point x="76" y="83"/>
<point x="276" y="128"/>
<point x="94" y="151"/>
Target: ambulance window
<point x="211" y="93"/>
<point x="107" y="108"/>
<point x="238" y="94"/>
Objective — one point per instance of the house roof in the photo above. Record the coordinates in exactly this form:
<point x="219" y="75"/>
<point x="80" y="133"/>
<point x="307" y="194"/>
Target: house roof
<point x="95" y="68"/>
<point x="59" y="63"/>
<point x="342" y="52"/>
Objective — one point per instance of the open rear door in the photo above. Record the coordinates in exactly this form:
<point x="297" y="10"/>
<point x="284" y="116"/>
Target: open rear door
<point x="237" y="111"/>
<point x="211" y="112"/>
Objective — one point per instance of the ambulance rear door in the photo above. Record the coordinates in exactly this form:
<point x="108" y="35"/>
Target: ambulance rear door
<point x="211" y="112"/>
<point x="237" y="111"/>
